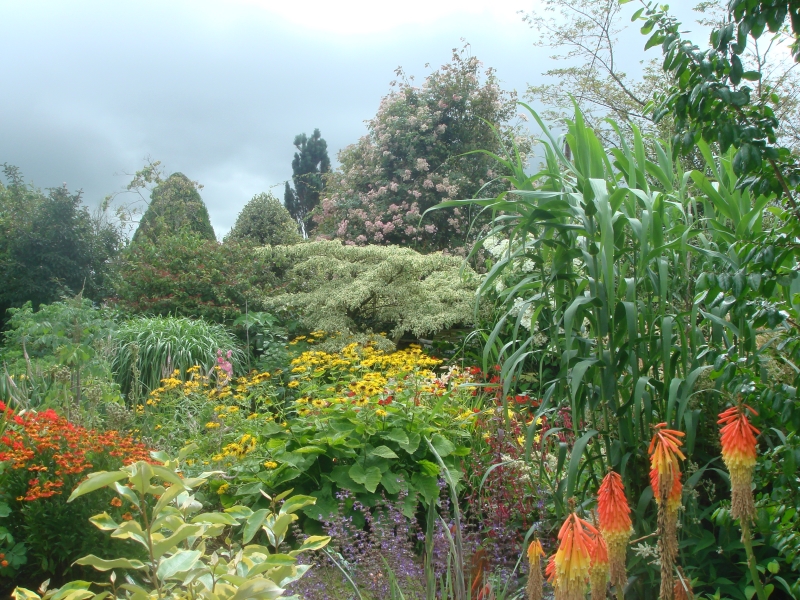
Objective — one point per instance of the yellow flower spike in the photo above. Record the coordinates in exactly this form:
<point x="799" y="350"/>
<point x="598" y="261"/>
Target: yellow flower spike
<point x="535" y="587"/>
<point x="569" y="572"/>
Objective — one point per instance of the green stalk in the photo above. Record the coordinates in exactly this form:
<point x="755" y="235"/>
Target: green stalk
<point x="751" y="559"/>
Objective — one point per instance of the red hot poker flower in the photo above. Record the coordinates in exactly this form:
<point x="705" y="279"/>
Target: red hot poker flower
<point x="613" y="512"/>
<point x="573" y="560"/>
<point x="739" y="450"/>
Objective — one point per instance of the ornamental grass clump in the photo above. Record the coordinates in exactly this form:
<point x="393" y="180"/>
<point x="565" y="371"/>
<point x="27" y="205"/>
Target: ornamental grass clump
<point x="613" y="512"/>
<point x="665" y="479"/>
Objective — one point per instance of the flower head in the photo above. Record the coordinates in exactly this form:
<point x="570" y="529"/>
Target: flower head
<point x="739" y="445"/>
<point x="599" y="569"/>
<point x="664" y="454"/>
<point x="572" y="561"/>
<point x="615" y="524"/>
<point x="535" y="589"/>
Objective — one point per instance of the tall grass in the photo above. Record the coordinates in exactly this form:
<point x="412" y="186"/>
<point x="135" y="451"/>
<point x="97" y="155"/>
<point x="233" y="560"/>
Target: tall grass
<point x="150" y="348"/>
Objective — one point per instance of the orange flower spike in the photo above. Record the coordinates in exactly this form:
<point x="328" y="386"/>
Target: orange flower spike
<point x="573" y="560"/>
<point x="535" y="587"/>
<point x="664" y="454"/>
<point x="613" y="512"/>
<point x="739" y="451"/>
<point x="599" y="571"/>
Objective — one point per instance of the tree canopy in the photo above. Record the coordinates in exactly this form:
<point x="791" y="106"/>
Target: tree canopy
<point x="175" y="205"/>
<point x="309" y="166"/>
<point x="416" y="154"/>
<point x="51" y="245"/>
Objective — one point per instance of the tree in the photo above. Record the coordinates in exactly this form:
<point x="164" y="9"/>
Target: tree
<point x="51" y="245"/>
<point x="353" y="291"/>
<point x="416" y="154"/>
<point x="175" y="205"/>
<point x="265" y="221"/>
<point x="584" y="34"/>
<point x="309" y="166"/>
<point x="185" y="274"/>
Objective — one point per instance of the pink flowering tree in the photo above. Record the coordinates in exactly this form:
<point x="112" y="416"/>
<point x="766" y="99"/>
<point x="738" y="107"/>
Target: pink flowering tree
<point x="414" y="157"/>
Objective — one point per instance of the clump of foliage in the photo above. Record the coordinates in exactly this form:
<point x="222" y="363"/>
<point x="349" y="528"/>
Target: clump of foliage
<point x="187" y="275"/>
<point x="44" y="457"/>
<point x="175" y="206"/>
<point x="264" y="221"/>
<point x="353" y="291"/>
<point x="151" y="348"/>
<point x="353" y="420"/>
<point x="414" y="156"/>
<point x="51" y="245"/>
<point x="175" y="535"/>
<point x="60" y="356"/>
<point x="309" y="166"/>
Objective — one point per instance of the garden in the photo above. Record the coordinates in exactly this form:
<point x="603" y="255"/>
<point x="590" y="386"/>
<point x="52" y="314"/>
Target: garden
<point x="443" y="374"/>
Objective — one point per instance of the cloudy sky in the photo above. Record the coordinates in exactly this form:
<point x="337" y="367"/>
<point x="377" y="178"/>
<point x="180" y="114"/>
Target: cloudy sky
<point x="218" y="89"/>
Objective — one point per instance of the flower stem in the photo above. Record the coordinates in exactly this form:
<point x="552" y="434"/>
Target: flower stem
<point x="751" y="559"/>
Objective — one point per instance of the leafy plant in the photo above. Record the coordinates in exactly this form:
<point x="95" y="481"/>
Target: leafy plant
<point x="176" y="537"/>
<point x="150" y="348"/>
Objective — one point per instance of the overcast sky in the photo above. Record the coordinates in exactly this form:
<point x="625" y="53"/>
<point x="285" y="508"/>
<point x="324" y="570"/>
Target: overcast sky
<point x="218" y="89"/>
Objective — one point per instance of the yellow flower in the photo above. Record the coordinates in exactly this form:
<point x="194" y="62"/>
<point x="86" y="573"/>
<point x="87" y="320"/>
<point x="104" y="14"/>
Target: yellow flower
<point x="212" y="425"/>
<point x="381" y="413"/>
<point x="521" y="440"/>
<point x="293" y="384"/>
<point x="223" y="489"/>
<point x="271" y="464"/>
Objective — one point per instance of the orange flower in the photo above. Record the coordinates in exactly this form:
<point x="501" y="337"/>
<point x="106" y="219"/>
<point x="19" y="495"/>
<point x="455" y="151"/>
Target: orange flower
<point x="599" y="570"/>
<point x="127" y="516"/>
<point x="572" y="560"/>
<point x="738" y="439"/>
<point x="116" y="502"/>
<point x="664" y="454"/>
<point x="535" y="587"/>
<point x="615" y="524"/>
<point x="665" y="479"/>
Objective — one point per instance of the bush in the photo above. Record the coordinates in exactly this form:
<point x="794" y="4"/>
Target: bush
<point x="153" y="348"/>
<point x="264" y="221"/>
<point x="354" y="291"/>
<point x="185" y="274"/>
<point x="43" y="456"/>
<point x="355" y="420"/>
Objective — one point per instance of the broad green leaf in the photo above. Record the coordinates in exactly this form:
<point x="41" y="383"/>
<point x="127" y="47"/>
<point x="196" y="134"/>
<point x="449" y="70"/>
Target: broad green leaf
<point x="180" y="562"/>
<point x="443" y="446"/>
<point x="104" y="522"/>
<point x="95" y="481"/>
<point x="253" y="524"/>
<point x="314" y="542"/>
<point x="369" y="477"/>
<point x="104" y="565"/>
<point x="383" y="452"/>
<point x="262" y="589"/>
<point x="396" y="435"/>
<point x="575" y="460"/>
<point x="184" y="531"/>
<point x="295" y="503"/>
<point x="215" y="518"/>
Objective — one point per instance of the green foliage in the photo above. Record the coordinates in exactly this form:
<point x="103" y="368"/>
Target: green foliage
<point x="186" y="275"/>
<point x="43" y="456"/>
<point x="50" y="245"/>
<point x="175" y="206"/>
<point x="264" y="221"/>
<point x="59" y="356"/>
<point x="149" y="349"/>
<point x="309" y="166"/>
<point x="416" y="154"/>
<point x="175" y="537"/>
<point x="352" y="290"/>
<point x="353" y="420"/>
<point x="712" y="98"/>
<point x="638" y="337"/>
